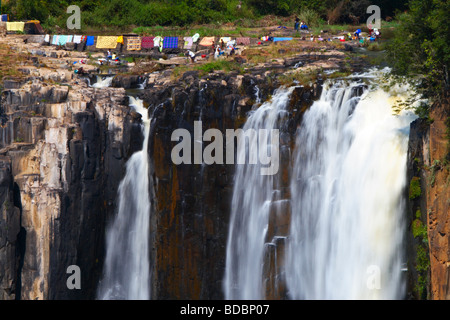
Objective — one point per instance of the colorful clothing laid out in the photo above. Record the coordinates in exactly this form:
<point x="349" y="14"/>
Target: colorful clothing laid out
<point x="83" y="38"/>
<point x="244" y="41"/>
<point x="59" y="40"/>
<point x="170" y="42"/>
<point x="225" y="39"/>
<point x="231" y="44"/>
<point x="133" y="43"/>
<point x="275" y="39"/>
<point x="188" y="42"/>
<point x="147" y="42"/>
<point x="90" y="40"/>
<point x="195" y="37"/>
<point x="120" y="39"/>
<point x="63" y="39"/>
<point x="106" y="42"/>
<point x="77" y="39"/>
<point x="47" y="38"/>
<point x="4" y="17"/>
<point x="15" y="26"/>
<point x="157" y="41"/>
<point x="55" y="39"/>
<point x="207" y="41"/>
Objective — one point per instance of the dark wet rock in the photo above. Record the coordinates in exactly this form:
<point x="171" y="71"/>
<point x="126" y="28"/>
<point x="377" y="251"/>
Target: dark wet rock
<point x="127" y="81"/>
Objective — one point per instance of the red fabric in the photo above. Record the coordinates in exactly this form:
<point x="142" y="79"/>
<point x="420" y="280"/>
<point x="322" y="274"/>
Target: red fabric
<point x="147" y="42"/>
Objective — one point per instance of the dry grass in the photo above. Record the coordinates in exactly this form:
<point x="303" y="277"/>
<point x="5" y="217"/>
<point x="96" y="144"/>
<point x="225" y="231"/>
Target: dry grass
<point x="10" y="62"/>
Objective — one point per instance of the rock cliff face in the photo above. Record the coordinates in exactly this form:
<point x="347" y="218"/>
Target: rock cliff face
<point x="429" y="206"/>
<point x="62" y="158"/>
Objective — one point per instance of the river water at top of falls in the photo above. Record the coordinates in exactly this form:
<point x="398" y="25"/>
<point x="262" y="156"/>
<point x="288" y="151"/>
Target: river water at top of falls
<point x="347" y="184"/>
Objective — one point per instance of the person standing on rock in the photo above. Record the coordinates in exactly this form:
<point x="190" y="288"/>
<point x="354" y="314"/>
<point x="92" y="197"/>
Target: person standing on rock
<point x="297" y="23"/>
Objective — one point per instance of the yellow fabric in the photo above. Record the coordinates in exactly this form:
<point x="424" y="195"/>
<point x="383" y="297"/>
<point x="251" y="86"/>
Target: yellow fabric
<point x="120" y="39"/>
<point x="207" y="41"/>
<point x="134" y="43"/>
<point x="106" y="42"/>
<point x="15" y="26"/>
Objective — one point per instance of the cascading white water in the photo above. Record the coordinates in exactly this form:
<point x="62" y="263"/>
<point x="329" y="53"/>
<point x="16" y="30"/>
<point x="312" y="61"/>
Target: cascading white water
<point x="103" y="83"/>
<point x="349" y="173"/>
<point x="252" y="196"/>
<point x="126" y="272"/>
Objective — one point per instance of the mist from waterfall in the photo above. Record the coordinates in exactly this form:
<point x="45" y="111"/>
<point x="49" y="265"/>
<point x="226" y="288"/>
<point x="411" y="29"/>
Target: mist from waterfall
<point x="126" y="273"/>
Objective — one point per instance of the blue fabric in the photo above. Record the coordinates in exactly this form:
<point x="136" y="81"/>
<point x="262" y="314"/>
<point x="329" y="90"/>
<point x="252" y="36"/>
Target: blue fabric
<point x="305" y="27"/>
<point x="4" y="17"/>
<point x="55" y="39"/>
<point x="62" y="40"/>
<point x="90" y="40"/>
<point x="275" y="39"/>
<point x="170" y="42"/>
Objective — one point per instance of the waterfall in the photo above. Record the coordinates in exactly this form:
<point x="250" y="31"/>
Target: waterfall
<point x="252" y="196"/>
<point x="346" y="221"/>
<point x="126" y="272"/>
<point x="103" y="83"/>
<point x="349" y="174"/>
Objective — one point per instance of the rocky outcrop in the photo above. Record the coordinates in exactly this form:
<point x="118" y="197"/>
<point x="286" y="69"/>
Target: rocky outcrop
<point x="429" y="212"/>
<point x="438" y="195"/>
<point x="63" y="153"/>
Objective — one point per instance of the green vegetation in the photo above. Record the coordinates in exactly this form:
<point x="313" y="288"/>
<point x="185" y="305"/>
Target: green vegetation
<point x="219" y="65"/>
<point x="421" y="45"/>
<point x="298" y="78"/>
<point x="422" y="266"/>
<point x="376" y="46"/>
<point x="215" y="31"/>
<point x="414" y="188"/>
<point x="419" y="229"/>
<point x="224" y="65"/>
<point x="121" y="13"/>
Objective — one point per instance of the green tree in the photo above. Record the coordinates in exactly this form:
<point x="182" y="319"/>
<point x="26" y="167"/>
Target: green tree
<point x="421" y="46"/>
